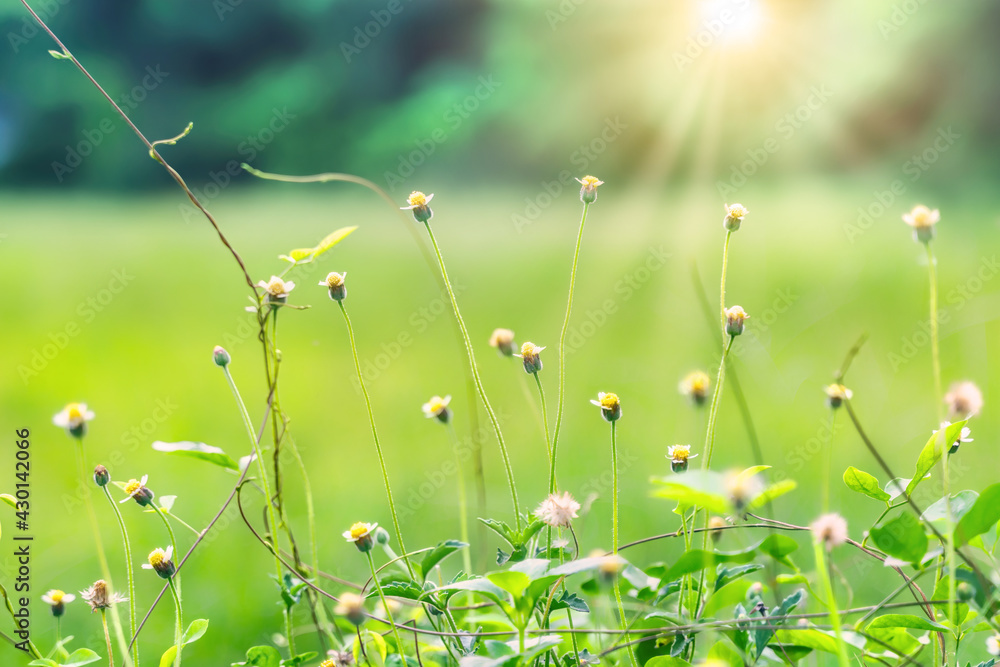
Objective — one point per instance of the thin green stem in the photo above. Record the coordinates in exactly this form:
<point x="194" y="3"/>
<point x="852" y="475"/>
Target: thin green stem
<point x="713" y="412"/>
<point x="290" y="632"/>
<point x="722" y="283"/>
<point x="385" y="604"/>
<point x="562" y="348"/>
<point x="475" y="376"/>
<point x="262" y="471"/>
<point x="107" y="637"/>
<point x="129" y="572"/>
<point x="463" y="499"/>
<point x="548" y="440"/>
<point x="175" y="586"/>
<point x="831" y="602"/>
<point x="180" y="620"/>
<point x="378" y="446"/>
<point x="935" y="347"/>
<point x="828" y="462"/>
<point x="614" y="539"/>
<point x="102" y="558"/>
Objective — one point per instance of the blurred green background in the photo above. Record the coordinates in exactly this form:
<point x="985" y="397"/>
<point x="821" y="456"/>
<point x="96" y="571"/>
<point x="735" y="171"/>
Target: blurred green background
<point x="827" y="120"/>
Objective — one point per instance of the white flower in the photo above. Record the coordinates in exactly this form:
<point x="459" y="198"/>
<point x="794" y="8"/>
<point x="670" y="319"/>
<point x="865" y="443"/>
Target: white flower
<point x="831" y="529"/>
<point x="73" y="416"/>
<point x="922" y="217"/>
<point x="558" y="510"/>
<point x="993" y="645"/>
<point x="359" y="531"/>
<point x="277" y="288"/>
<point x="57" y="598"/>
<point x="134" y="489"/>
<point x="436" y="406"/>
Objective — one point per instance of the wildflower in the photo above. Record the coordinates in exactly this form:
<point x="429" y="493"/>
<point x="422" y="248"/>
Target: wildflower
<point x="418" y="203"/>
<point x="74" y="418"/>
<point x="715" y="526"/>
<point x="831" y="529"/>
<point x="962" y="437"/>
<point x="438" y="407"/>
<point x="964" y="399"/>
<point x="558" y="510"/>
<point x="101" y="476"/>
<point x="588" y="188"/>
<point x="98" y="598"/>
<point x="58" y="601"/>
<point x="734" y="216"/>
<point x="338" y="659"/>
<point x="610" y="567"/>
<point x="352" y="607"/>
<point x="695" y="386"/>
<point x="529" y="355"/>
<point x="221" y="357"/>
<point x="276" y="289"/>
<point x="679" y="456"/>
<point x="503" y="341"/>
<point x="160" y="561"/>
<point x="837" y="394"/>
<point x="611" y="407"/>
<point x="993" y="645"/>
<point x="734" y="320"/>
<point x="335" y="284"/>
<point x="742" y="488"/>
<point x="361" y="534"/>
<point x="136" y="490"/>
<point x="922" y="219"/>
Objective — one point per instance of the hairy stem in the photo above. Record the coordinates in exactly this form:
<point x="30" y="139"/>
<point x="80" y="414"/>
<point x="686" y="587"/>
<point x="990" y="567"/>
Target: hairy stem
<point x="463" y="499"/>
<point x="831" y="602"/>
<point x="180" y="619"/>
<point x="614" y="538"/>
<point x="385" y="604"/>
<point x="722" y="283"/>
<point x="129" y="573"/>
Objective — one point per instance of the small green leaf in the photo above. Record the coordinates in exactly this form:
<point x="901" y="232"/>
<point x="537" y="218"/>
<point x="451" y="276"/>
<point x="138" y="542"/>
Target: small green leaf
<point x="81" y="656"/>
<point x="864" y="483"/>
<point x="666" y="661"/>
<point x="902" y="537"/>
<point x="501" y="529"/>
<point x="778" y="546"/>
<point x="931" y="453"/>
<point x="439" y="553"/>
<point x="331" y="240"/>
<point x="906" y="621"/>
<point x="194" y="632"/>
<point x="807" y="637"/>
<point x="961" y="503"/>
<point x="375" y="637"/>
<point x="983" y="515"/>
<point x="198" y="450"/>
<point x="771" y="493"/>
<point x="512" y="582"/>
<point x="696" y="559"/>
<point x="8" y="500"/>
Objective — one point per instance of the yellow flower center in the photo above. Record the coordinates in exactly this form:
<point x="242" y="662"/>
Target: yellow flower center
<point x="334" y="280"/>
<point x="528" y="350"/>
<point x="417" y="199"/>
<point x="276" y="287"/>
<point x="56" y="596"/>
<point x="74" y="411"/>
<point x="327" y="663"/>
<point x="157" y="557"/>
<point x="609" y="401"/>
<point x="359" y="530"/>
<point x="737" y="211"/>
<point x="436" y="404"/>
<point x="590" y="181"/>
<point x="132" y="486"/>
<point x="680" y="453"/>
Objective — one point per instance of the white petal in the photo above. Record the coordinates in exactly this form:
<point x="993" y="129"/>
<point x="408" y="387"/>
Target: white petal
<point x="147" y="566"/>
<point x="68" y="597"/>
<point x="144" y="479"/>
<point x="169" y="552"/>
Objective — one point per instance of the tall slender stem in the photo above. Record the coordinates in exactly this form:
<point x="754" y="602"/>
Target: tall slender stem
<point x="713" y="412"/>
<point x="385" y="604"/>
<point x="614" y="539"/>
<point x="548" y="440"/>
<point x="722" y="283"/>
<point x="378" y="446"/>
<point x="475" y="376"/>
<point x="129" y="572"/>
<point x="102" y="558"/>
<point x="828" y="462"/>
<point x="180" y="621"/>
<point x="560" y="402"/>
<point x="831" y="602"/>
<point x="107" y="637"/>
<point x="174" y="581"/>
<point x="935" y="348"/>
<point x="463" y="499"/>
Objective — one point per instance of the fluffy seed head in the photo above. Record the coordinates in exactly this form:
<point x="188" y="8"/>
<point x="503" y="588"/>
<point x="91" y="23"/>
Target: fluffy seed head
<point x="558" y="510"/>
<point x="830" y="529"/>
<point x="964" y="399"/>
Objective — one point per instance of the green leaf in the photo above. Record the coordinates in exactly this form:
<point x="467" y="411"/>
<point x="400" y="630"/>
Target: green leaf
<point x="931" y="453"/>
<point x="902" y="537"/>
<point x="723" y="652"/>
<point x="512" y="582"/>
<point x="501" y="529"/>
<point x="375" y="637"/>
<point x="727" y="596"/>
<point x="481" y="586"/>
<point x="896" y="487"/>
<point x="666" y="661"/>
<point x="8" y="500"/>
<point x="701" y="488"/>
<point x="298" y="255"/>
<point x="771" y="493"/>
<point x="82" y="656"/>
<point x="408" y="590"/>
<point x="905" y="621"/>
<point x="961" y="503"/>
<point x="983" y="515"/>
<point x="778" y="546"/>
<point x="44" y="662"/>
<point x="198" y="450"/>
<point x="331" y="240"/>
<point x="439" y="553"/>
<point x="864" y="483"/>
<point x="194" y="632"/>
<point x="807" y="637"/>
<point x="697" y="559"/>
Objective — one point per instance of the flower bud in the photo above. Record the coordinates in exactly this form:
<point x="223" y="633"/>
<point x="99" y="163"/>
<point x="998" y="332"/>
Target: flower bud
<point x="335" y="283"/>
<point x="381" y="536"/>
<point x="611" y="407"/>
<point x="161" y="563"/>
<point x="276" y="290"/>
<point x="418" y="204"/>
<point x="715" y="525"/>
<point x="588" y="188"/>
<point x="530" y="356"/>
<point x="220" y="356"/>
<point x="922" y="220"/>
<point x="734" y="216"/>
<point x="695" y="385"/>
<point x="136" y="490"/>
<point x="503" y="341"/>
<point x="735" y="317"/>
<point x="362" y="535"/>
<point x="438" y="407"/>
<point x="679" y="456"/>
<point x="101" y="476"/>
<point x="352" y="607"/>
<point x="836" y="394"/>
